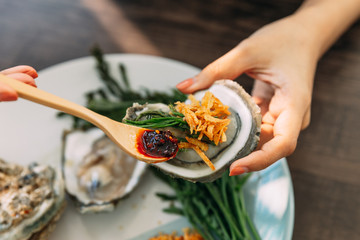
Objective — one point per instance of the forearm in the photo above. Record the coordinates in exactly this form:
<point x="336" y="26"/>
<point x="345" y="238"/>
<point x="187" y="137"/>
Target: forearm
<point x="325" y="20"/>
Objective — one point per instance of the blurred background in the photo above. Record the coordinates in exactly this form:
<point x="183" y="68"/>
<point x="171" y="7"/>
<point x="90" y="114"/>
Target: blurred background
<point x="326" y="164"/>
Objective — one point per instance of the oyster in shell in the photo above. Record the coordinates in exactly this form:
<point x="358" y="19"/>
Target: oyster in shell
<point x="31" y="201"/>
<point x="96" y="172"/>
<point x="242" y="134"/>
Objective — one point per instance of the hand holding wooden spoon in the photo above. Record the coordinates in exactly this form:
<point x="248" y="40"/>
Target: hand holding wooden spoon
<point x="128" y="138"/>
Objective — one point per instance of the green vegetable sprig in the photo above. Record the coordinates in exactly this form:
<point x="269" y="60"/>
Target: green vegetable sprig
<point x="216" y="210"/>
<point x="158" y="119"/>
<point x="161" y="122"/>
<point x="116" y="96"/>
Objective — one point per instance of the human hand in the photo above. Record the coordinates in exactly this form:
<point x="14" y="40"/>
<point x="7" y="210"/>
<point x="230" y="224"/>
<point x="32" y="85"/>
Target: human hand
<point x="281" y="59"/>
<point x="22" y="73"/>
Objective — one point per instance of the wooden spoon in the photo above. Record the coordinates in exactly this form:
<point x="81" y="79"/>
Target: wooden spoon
<point x="125" y="136"/>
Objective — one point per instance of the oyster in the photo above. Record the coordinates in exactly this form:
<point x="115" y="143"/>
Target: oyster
<point x="96" y="172"/>
<point x="242" y="134"/>
<point x="31" y="201"/>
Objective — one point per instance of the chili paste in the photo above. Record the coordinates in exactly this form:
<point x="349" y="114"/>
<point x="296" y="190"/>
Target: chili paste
<point x="157" y="144"/>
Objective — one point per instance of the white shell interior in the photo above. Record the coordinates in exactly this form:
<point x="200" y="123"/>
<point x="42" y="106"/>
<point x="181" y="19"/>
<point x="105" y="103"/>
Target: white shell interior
<point x="234" y="101"/>
<point x="79" y="144"/>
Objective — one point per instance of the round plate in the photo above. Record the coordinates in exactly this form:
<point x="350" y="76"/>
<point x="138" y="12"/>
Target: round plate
<point x="32" y="133"/>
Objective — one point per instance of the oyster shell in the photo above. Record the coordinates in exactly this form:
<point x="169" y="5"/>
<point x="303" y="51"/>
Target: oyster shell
<point x="31" y="201"/>
<point x="96" y="172"/>
<point x="242" y="134"/>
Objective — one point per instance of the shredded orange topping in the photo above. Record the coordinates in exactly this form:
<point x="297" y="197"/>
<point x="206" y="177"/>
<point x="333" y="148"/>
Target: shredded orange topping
<point x="188" y="235"/>
<point x="197" y="148"/>
<point x="209" y="118"/>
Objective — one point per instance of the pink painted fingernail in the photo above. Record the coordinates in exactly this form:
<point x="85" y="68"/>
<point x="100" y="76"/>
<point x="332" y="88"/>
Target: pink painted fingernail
<point x="238" y="170"/>
<point x="185" y="84"/>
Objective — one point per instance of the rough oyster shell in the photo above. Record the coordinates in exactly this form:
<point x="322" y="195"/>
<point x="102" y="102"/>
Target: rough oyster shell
<point x="243" y="135"/>
<point x="96" y="172"/>
<point x="31" y="201"/>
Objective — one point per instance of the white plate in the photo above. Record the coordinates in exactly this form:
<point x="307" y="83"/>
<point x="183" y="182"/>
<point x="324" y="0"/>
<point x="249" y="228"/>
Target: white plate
<point x="30" y="132"/>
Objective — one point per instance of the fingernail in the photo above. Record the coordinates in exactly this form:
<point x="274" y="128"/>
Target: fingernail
<point x="238" y="170"/>
<point x="185" y="84"/>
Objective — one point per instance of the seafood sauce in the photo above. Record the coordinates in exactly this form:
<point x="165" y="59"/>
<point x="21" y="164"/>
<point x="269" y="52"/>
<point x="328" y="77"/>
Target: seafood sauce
<point x="157" y="144"/>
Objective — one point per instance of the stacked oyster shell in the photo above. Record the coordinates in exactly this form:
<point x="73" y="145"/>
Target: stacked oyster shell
<point x="31" y="201"/>
<point x="243" y="134"/>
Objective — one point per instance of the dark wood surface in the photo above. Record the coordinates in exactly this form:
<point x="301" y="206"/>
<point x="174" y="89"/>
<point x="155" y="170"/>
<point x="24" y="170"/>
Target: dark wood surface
<point x="325" y="167"/>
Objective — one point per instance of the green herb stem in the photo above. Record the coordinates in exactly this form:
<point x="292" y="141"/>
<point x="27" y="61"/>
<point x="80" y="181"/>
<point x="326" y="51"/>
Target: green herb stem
<point x="216" y="210"/>
<point x="227" y="212"/>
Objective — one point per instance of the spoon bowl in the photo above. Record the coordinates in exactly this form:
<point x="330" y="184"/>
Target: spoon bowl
<point x="124" y="135"/>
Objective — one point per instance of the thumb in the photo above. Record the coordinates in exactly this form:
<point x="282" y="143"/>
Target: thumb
<point x="229" y="66"/>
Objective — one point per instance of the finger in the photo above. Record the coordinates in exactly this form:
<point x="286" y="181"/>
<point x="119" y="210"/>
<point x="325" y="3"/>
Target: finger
<point x="283" y="142"/>
<point x="7" y="93"/>
<point x="23" y="77"/>
<point x="266" y="134"/>
<point x="184" y="85"/>
<point x="229" y="66"/>
<point x="21" y="69"/>
<point x="306" y="121"/>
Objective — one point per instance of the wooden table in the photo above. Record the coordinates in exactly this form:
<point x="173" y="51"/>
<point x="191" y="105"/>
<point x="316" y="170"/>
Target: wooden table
<point x="325" y="167"/>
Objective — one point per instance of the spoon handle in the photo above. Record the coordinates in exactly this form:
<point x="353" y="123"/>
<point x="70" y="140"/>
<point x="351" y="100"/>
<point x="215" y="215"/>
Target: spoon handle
<point x="122" y="134"/>
<point x="47" y="99"/>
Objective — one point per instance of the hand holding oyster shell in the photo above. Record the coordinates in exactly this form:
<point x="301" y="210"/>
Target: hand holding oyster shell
<point x="223" y="127"/>
<point x="282" y="89"/>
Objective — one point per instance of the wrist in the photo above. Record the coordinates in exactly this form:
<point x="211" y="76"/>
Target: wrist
<point x="323" y="21"/>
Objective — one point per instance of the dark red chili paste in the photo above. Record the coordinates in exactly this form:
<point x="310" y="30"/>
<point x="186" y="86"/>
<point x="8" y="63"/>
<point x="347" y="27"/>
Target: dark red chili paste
<point x="157" y="144"/>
